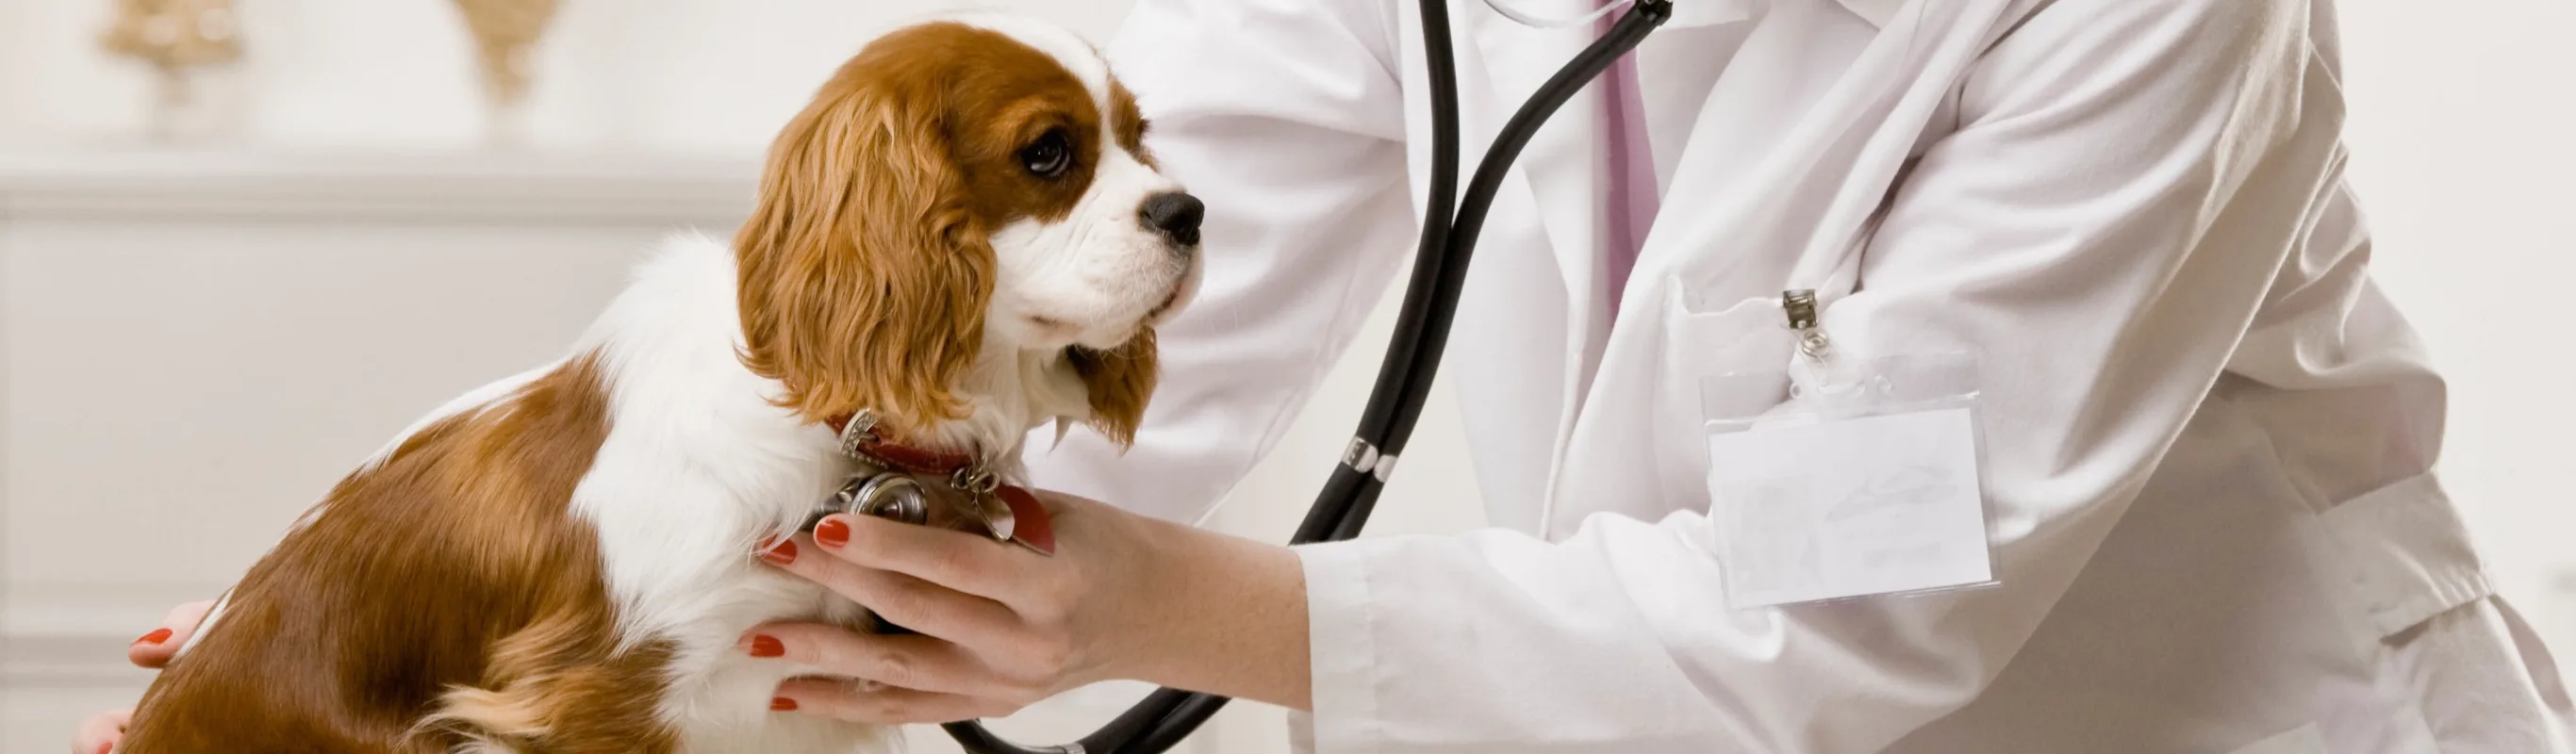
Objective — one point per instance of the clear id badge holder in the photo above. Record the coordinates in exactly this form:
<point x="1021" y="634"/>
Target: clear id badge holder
<point x="1846" y="477"/>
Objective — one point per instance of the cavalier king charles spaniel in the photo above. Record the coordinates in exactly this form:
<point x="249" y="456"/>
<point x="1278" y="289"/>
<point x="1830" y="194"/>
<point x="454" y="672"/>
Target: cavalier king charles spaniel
<point x="962" y="237"/>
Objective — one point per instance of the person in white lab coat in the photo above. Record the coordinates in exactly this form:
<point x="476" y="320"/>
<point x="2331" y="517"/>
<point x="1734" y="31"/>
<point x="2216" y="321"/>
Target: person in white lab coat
<point x="2209" y="437"/>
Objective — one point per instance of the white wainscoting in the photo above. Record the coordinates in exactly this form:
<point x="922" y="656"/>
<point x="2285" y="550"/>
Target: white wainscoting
<point x="194" y="347"/>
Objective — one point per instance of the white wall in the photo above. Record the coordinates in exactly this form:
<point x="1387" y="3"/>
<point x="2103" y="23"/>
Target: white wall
<point x="2460" y="112"/>
<point x="699" y="75"/>
<point x="2461" y="118"/>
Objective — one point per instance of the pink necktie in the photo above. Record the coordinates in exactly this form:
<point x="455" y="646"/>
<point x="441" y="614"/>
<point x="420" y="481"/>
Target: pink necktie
<point x="1631" y="197"/>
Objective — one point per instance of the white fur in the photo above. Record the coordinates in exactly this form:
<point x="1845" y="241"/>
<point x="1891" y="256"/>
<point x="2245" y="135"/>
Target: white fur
<point x="1095" y="276"/>
<point x="698" y="466"/>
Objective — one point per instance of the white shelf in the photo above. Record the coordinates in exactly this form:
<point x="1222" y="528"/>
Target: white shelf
<point x="442" y="187"/>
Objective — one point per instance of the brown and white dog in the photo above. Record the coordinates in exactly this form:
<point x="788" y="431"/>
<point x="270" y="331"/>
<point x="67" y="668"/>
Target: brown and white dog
<point x="961" y="234"/>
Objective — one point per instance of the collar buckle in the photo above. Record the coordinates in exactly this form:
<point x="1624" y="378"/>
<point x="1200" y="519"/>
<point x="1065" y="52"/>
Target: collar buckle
<point x="859" y="433"/>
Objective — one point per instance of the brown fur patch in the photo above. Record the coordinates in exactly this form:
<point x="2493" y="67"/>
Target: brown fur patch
<point x="1129" y="122"/>
<point x="1120" y="382"/>
<point x="454" y="564"/>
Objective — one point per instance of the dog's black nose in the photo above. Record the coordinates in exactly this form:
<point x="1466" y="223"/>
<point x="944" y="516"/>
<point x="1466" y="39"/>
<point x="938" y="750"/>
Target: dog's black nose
<point x="1176" y="214"/>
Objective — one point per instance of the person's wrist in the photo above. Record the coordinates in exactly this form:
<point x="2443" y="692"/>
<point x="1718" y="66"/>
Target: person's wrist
<point x="1154" y="597"/>
<point x="1123" y="561"/>
<point x="1219" y="614"/>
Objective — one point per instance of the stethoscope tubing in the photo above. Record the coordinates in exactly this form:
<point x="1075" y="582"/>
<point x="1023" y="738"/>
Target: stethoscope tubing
<point x="1450" y="229"/>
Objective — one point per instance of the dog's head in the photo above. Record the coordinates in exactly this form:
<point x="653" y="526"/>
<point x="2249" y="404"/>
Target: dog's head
<point x="958" y="181"/>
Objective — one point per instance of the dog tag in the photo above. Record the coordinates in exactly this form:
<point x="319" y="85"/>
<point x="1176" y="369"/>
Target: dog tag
<point x="1030" y="527"/>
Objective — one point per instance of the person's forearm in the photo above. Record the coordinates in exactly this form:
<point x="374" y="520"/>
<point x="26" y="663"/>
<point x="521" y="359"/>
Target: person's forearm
<point x="1231" y="621"/>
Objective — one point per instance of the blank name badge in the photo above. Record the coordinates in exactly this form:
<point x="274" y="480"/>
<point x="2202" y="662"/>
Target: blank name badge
<point x="1866" y="494"/>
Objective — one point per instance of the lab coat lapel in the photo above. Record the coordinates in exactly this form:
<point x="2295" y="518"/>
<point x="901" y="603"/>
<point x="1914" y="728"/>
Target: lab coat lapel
<point x="1556" y="172"/>
<point x="1559" y="173"/>
<point x="1561" y="168"/>
<point x="1556" y="169"/>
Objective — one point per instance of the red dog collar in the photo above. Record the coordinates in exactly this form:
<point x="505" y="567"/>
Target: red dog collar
<point x="897" y="455"/>
<point x="1029" y="524"/>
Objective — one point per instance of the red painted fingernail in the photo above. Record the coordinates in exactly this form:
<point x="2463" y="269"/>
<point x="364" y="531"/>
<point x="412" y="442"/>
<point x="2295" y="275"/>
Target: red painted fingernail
<point x="832" y="532"/>
<point x="157" y="636"/>
<point x="763" y="646"/>
<point x="781" y="704"/>
<point x="782" y="552"/>
<point x="106" y="747"/>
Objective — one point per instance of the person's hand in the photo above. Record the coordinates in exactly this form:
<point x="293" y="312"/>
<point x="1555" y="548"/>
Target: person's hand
<point x="1001" y="626"/>
<point x="99" y="734"/>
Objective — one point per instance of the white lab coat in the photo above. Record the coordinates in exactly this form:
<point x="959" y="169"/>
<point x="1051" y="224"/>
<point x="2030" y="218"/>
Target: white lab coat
<point x="2209" y="436"/>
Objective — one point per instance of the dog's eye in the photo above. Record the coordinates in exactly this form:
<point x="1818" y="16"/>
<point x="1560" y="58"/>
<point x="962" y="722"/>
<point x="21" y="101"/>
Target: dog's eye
<point x="1049" y="156"/>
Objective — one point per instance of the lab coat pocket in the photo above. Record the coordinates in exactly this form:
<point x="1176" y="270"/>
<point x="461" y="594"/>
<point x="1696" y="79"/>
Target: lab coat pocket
<point x="2406" y="554"/>
<point x="1749" y="336"/>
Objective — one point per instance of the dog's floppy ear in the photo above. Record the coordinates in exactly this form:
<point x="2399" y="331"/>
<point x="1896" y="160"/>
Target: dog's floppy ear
<point x="863" y="277"/>
<point x="1120" y="381"/>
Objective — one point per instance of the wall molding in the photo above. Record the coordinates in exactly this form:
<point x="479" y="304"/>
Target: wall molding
<point x="466" y="186"/>
<point x="69" y="662"/>
<point x="64" y="636"/>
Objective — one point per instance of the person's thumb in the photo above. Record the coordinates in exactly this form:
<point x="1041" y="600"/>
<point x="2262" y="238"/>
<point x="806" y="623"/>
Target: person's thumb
<point x="99" y="733"/>
<point x="155" y="649"/>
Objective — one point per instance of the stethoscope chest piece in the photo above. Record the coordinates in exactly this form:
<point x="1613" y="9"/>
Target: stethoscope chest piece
<point x="904" y="497"/>
<point x="896" y="497"/>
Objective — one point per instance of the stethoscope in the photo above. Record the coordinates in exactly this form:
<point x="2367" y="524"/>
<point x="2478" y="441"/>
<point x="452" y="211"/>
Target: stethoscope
<point x="1421" y="332"/>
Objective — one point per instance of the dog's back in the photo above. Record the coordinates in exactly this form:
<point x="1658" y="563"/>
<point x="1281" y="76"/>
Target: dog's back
<point x="437" y="598"/>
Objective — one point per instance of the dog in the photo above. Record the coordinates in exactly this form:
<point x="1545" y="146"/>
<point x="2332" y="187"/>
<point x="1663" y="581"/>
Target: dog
<point x="962" y="237"/>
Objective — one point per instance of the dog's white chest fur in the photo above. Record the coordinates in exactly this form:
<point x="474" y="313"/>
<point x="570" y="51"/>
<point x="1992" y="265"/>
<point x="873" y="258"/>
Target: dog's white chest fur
<point x="698" y="466"/>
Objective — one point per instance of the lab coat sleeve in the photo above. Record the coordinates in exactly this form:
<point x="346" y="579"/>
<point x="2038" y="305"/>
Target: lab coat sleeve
<point x="1286" y="118"/>
<point x="2126" y="177"/>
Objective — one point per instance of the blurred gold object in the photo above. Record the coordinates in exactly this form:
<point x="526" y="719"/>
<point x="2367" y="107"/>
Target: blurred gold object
<point x="175" y="34"/>
<point x="505" y="39"/>
<point x="176" y="37"/>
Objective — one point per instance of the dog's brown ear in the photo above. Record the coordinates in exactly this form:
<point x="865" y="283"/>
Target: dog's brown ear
<point x="1120" y="381"/>
<point x="863" y="277"/>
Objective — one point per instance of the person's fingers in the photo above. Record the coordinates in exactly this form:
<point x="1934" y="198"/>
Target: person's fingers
<point x="921" y="663"/>
<point x="964" y="562"/>
<point x="155" y="649"/>
<point x="879" y="704"/>
<point x="99" y="733"/>
<point x="906" y="601"/>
